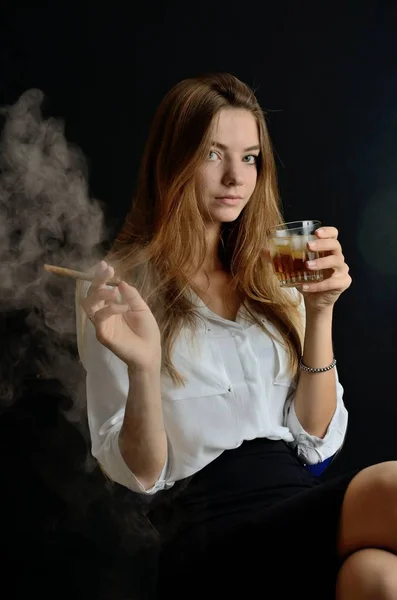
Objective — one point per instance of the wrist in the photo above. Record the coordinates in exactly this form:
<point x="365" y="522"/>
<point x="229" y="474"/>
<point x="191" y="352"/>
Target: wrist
<point x="147" y="371"/>
<point x="319" y="314"/>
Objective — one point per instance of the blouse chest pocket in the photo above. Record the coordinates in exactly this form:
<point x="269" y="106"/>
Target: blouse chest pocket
<point x="275" y="354"/>
<point x="202" y="368"/>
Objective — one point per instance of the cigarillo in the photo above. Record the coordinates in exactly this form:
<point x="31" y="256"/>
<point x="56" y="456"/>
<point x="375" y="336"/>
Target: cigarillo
<point x="63" y="272"/>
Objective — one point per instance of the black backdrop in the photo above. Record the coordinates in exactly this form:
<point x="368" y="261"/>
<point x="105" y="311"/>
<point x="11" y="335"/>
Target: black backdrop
<point x="327" y="75"/>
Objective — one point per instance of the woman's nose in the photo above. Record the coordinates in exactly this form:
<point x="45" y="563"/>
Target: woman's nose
<point x="233" y="175"/>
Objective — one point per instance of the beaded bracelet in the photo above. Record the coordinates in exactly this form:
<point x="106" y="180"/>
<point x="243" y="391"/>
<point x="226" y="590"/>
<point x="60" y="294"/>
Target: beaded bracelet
<point x="319" y="370"/>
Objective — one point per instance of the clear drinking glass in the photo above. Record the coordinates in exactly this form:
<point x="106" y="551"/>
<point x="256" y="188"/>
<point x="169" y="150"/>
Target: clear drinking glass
<point x="289" y="252"/>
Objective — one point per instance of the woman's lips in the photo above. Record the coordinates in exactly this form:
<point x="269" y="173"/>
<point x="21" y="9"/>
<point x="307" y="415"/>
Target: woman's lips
<point x="229" y="200"/>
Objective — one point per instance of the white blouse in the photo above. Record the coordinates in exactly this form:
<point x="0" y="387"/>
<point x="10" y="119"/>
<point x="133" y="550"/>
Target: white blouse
<point x="237" y="388"/>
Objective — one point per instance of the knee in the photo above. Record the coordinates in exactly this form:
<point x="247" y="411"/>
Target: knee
<point x="384" y="477"/>
<point x="369" y="510"/>
<point x="376" y="485"/>
<point x="368" y="573"/>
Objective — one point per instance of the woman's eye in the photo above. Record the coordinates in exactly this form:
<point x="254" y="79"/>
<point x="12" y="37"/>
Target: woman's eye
<point x="251" y="159"/>
<point x="212" y="155"/>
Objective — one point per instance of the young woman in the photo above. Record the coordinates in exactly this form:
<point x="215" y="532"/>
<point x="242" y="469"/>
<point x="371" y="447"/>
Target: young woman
<point x="210" y="387"/>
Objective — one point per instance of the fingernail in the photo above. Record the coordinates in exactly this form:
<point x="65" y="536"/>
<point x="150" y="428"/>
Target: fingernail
<point x="305" y="287"/>
<point x="118" y="296"/>
<point x="320" y="231"/>
<point x="313" y="245"/>
<point x="311" y="263"/>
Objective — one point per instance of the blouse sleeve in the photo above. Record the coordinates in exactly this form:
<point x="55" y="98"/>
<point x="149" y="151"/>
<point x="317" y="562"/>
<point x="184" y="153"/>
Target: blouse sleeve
<point x="107" y="388"/>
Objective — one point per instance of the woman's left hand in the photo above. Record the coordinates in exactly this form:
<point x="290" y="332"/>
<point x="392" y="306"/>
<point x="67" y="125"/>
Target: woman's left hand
<point x="322" y="295"/>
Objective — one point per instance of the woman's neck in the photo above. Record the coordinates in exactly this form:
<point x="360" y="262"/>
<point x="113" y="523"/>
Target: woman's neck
<point x="212" y="263"/>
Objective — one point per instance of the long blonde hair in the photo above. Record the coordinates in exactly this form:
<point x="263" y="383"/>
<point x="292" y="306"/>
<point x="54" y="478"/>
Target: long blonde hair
<point x="163" y="236"/>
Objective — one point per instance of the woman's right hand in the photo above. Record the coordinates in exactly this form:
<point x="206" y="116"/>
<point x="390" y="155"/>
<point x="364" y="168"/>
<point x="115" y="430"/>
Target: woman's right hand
<point x="123" y="321"/>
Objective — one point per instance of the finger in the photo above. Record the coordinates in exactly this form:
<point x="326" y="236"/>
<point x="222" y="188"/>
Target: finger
<point x="97" y="299"/>
<point x="327" y="232"/>
<point x="103" y="273"/>
<point x="102" y="294"/>
<point x="325" y="245"/>
<point x="337" y="284"/>
<point x="333" y="261"/>
<point x="109" y="311"/>
<point x="131" y="296"/>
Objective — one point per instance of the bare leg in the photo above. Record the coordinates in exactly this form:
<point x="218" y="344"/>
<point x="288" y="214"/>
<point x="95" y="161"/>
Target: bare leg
<point x="369" y="574"/>
<point x="369" y="510"/>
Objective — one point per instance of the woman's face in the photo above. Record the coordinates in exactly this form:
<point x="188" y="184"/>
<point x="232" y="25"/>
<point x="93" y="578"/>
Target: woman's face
<point x="227" y="179"/>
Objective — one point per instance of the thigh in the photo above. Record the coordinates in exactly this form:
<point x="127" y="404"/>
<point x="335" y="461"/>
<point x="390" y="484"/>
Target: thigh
<point x="367" y="574"/>
<point x="369" y="515"/>
<point x="293" y="541"/>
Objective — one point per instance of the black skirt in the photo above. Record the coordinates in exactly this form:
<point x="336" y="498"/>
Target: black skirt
<point x="253" y="523"/>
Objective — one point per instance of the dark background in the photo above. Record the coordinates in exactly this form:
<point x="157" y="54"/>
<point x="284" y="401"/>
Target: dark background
<point x="327" y="75"/>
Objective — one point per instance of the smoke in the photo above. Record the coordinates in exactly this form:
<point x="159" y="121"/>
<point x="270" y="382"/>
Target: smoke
<point x="46" y="216"/>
